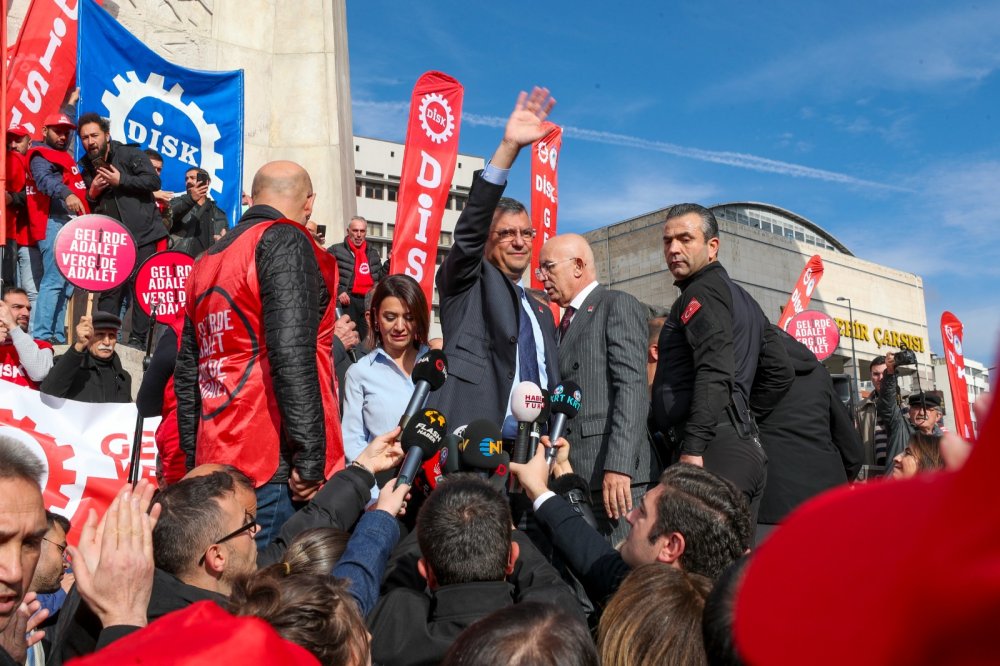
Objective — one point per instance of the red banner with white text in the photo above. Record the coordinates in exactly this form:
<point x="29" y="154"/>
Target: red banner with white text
<point x="428" y="166"/>
<point x="951" y="336"/>
<point x="804" y="288"/>
<point x="544" y="192"/>
<point x="42" y="66"/>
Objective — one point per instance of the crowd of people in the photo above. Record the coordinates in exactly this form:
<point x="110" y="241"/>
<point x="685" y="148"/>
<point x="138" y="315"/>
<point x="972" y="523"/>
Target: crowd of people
<point x="282" y="530"/>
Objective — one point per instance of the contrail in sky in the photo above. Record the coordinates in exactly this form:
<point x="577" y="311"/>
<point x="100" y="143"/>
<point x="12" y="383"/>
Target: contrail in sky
<point x="728" y="158"/>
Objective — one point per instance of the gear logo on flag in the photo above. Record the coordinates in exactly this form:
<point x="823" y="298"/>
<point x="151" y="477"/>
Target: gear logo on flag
<point x="57" y="475"/>
<point x="132" y="90"/>
<point x="435" y="109"/>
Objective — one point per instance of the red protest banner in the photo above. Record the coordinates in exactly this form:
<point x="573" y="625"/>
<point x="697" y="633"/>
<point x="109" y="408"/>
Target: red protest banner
<point x="802" y="293"/>
<point x="428" y="166"/>
<point x="817" y="331"/>
<point x="42" y="67"/>
<point x="95" y="252"/>
<point x="544" y="193"/>
<point x="160" y="282"/>
<point x="951" y="336"/>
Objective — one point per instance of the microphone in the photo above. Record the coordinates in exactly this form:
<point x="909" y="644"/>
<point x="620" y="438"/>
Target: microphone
<point x="526" y="404"/>
<point x="421" y="439"/>
<point x="429" y="374"/>
<point x="542" y="420"/>
<point x="564" y="403"/>
<point x="481" y="450"/>
<point x="444" y="463"/>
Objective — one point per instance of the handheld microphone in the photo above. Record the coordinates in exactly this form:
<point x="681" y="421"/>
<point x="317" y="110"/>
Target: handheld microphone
<point x="541" y="421"/>
<point x="564" y="403"/>
<point x="421" y="439"/>
<point x="444" y="463"/>
<point x="526" y="404"/>
<point x="481" y="450"/>
<point x="429" y="374"/>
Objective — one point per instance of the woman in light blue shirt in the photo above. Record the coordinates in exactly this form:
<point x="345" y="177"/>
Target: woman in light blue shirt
<point x="378" y="386"/>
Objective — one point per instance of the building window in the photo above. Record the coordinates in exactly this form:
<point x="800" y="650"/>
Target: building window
<point x="392" y="191"/>
<point x="800" y="236"/>
<point x="389" y="230"/>
<point x="374" y="228"/>
<point x="459" y="165"/>
<point x="357" y="188"/>
<point x="357" y="148"/>
<point x="392" y="153"/>
<point x="445" y="239"/>
<point x="373" y="191"/>
<point x="460" y="203"/>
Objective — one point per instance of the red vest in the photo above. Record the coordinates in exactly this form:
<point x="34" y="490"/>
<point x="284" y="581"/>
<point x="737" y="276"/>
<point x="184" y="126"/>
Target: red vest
<point x="11" y="369"/>
<point x="38" y="203"/>
<point x="240" y="422"/>
<point x="17" y="178"/>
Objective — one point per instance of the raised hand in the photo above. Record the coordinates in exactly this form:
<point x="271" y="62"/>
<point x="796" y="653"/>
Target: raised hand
<point x="525" y="125"/>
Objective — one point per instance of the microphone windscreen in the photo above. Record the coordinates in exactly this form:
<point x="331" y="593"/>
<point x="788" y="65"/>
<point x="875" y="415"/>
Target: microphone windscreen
<point x="432" y="368"/>
<point x="450" y="458"/>
<point x="426" y="430"/>
<point x="526" y="402"/>
<point x="546" y="413"/>
<point x="481" y="447"/>
<point x="565" y="399"/>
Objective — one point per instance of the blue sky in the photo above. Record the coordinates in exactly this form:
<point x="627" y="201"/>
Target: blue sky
<point x="878" y="123"/>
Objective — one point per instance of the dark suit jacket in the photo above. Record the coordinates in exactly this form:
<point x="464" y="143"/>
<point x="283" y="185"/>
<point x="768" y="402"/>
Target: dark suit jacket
<point x="479" y="321"/>
<point x="604" y="351"/>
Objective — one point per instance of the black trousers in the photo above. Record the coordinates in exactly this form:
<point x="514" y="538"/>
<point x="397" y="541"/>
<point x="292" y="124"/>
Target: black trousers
<point x="356" y="311"/>
<point x="111" y="300"/>
<point x="741" y="461"/>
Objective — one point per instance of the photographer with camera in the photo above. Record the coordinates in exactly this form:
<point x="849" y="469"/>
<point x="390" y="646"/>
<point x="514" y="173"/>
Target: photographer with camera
<point x="197" y="220"/>
<point x="925" y="409"/>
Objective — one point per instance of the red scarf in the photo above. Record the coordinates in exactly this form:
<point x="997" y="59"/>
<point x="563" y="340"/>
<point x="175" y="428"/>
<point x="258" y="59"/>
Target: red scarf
<point x="362" y="271"/>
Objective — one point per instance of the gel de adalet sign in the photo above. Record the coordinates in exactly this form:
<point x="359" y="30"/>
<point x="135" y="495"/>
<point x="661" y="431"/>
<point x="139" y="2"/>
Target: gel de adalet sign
<point x="817" y="331"/>
<point x="95" y="252"/>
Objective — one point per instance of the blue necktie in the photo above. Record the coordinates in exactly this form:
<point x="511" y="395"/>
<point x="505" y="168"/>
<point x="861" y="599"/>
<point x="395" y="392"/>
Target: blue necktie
<point x="527" y="352"/>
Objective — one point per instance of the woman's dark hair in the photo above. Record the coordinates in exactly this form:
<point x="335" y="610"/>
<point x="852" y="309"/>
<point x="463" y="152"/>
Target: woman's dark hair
<point x="313" y="611"/>
<point x="927" y="450"/>
<point x="531" y="633"/>
<point x="654" y="619"/>
<point x="408" y="291"/>
<point x="316" y="551"/>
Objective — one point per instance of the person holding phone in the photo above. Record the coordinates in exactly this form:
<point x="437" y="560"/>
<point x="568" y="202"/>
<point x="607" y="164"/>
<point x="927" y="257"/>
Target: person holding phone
<point x="197" y="220"/>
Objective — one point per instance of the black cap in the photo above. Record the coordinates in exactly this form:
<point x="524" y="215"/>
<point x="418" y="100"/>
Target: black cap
<point x="104" y="320"/>
<point x="925" y="399"/>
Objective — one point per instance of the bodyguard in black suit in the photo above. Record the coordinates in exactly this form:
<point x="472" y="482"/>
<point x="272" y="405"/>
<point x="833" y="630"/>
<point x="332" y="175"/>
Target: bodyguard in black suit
<point x="495" y="335"/>
<point x="602" y="348"/>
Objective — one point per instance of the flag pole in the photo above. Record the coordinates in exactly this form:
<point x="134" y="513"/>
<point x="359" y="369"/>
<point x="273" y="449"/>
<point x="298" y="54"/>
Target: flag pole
<point x="3" y="147"/>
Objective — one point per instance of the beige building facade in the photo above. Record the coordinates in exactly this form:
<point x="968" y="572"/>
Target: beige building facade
<point x="764" y="248"/>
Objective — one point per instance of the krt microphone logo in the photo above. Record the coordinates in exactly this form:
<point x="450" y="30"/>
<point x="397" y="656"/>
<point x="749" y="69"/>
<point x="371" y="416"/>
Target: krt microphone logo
<point x="571" y="400"/>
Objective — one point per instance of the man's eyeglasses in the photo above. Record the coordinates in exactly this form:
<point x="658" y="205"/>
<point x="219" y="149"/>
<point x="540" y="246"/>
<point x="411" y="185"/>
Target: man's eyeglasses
<point x="249" y="526"/>
<point x="60" y="546"/>
<point x="545" y="268"/>
<point x="508" y="235"/>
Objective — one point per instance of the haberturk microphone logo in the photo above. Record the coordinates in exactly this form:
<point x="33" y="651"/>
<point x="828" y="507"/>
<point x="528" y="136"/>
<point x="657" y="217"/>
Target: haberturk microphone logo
<point x="436" y="118"/>
<point x="534" y="401"/>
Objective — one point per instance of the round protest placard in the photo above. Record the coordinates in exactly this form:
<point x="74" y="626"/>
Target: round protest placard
<point x="161" y="281"/>
<point x="817" y="331"/>
<point x="95" y="252"/>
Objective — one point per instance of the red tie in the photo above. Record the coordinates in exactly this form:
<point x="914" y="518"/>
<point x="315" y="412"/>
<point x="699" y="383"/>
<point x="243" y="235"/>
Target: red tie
<point x="564" y="324"/>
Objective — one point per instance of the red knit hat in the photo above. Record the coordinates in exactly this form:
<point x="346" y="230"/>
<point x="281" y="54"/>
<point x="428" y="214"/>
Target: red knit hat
<point x="896" y="572"/>
<point x="202" y="633"/>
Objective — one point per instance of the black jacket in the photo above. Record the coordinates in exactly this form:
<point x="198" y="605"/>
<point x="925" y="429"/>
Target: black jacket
<point x="80" y="376"/>
<point x="709" y="350"/>
<point x="345" y="265"/>
<point x="293" y="300"/>
<point x="808" y="436"/>
<point x="411" y="626"/>
<point x="131" y="201"/>
<point x="195" y="227"/>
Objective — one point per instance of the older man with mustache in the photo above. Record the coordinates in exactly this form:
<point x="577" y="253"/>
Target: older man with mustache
<point x="90" y="370"/>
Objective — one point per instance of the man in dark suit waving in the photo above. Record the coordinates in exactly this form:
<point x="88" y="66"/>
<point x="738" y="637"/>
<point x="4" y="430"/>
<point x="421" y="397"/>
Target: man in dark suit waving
<point x="603" y="349"/>
<point x="496" y="335"/>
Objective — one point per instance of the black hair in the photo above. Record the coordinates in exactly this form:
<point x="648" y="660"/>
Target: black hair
<point x="190" y="519"/>
<point x="91" y="117"/>
<point x="709" y="225"/>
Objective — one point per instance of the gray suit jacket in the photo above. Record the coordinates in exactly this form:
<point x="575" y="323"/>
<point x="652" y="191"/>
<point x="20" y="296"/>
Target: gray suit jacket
<point x="479" y="321"/>
<point x="604" y="351"/>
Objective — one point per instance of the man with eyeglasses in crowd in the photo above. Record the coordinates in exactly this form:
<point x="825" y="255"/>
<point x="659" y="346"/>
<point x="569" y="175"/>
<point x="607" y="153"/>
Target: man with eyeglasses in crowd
<point x="602" y="347"/>
<point x="496" y="335"/>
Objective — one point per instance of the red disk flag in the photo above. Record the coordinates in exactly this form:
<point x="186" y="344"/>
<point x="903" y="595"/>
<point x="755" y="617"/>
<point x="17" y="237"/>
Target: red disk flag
<point x="544" y="192"/>
<point x="951" y="335"/>
<point x="428" y="166"/>
<point x="42" y="67"/>
<point x="802" y="293"/>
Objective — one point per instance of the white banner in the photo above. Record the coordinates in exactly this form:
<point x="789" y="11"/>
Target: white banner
<point x="86" y="447"/>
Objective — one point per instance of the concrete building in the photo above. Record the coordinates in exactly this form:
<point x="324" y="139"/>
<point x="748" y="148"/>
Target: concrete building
<point x="977" y="380"/>
<point x="297" y="96"/>
<point x="764" y="248"/>
<point x="377" y="167"/>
